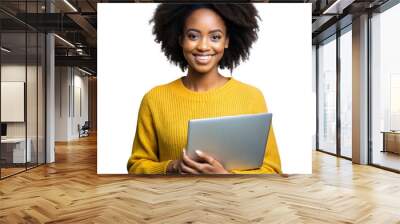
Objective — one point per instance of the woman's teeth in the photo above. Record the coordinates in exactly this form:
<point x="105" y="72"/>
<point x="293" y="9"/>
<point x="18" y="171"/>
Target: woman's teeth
<point x="202" y="59"/>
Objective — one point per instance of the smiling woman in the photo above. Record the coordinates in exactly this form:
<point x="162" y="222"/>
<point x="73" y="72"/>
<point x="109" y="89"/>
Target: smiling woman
<point x="200" y="39"/>
<point x="204" y="40"/>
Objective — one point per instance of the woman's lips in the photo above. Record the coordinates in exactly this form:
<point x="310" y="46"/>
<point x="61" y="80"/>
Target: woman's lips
<point x="202" y="58"/>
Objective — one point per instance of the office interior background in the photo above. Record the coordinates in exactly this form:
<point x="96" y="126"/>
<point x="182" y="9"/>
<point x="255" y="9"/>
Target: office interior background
<point x="48" y="109"/>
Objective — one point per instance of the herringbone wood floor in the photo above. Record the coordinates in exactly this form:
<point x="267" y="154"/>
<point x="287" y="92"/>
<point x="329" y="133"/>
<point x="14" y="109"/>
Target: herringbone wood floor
<point x="70" y="191"/>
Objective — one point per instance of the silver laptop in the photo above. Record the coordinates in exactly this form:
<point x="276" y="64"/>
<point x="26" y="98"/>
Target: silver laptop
<point x="237" y="142"/>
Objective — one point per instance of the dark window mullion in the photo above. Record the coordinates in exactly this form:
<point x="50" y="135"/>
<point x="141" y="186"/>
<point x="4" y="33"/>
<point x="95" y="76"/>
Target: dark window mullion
<point x="338" y="98"/>
<point x="369" y="90"/>
<point x="26" y="86"/>
<point x="44" y="72"/>
<point x="317" y="95"/>
<point x="37" y="90"/>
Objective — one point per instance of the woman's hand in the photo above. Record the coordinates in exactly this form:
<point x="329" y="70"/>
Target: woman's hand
<point x="205" y="165"/>
<point x="173" y="167"/>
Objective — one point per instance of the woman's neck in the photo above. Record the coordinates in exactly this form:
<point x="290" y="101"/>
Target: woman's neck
<point x="203" y="82"/>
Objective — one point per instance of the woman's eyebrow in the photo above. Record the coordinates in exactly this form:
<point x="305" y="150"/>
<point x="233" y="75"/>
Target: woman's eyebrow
<point x="194" y="30"/>
<point x="216" y="30"/>
<point x="198" y="31"/>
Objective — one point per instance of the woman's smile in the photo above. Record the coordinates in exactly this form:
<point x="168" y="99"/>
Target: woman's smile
<point x="203" y="59"/>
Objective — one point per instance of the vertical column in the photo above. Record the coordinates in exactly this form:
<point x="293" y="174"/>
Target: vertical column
<point x="50" y="92"/>
<point x="314" y="90"/>
<point x="360" y="90"/>
<point x="92" y="99"/>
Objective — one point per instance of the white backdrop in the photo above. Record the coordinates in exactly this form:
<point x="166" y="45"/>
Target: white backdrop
<point x="130" y="63"/>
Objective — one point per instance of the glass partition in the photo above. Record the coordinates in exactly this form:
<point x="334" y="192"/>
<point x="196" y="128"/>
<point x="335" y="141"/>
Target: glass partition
<point x="41" y="109"/>
<point x="327" y="96"/>
<point x="22" y="77"/>
<point x="32" y="95"/>
<point x="34" y="52"/>
<point x="13" y="103"/>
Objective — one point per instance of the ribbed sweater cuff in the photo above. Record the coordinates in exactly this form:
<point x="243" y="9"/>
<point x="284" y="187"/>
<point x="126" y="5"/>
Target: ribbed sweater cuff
<point x="165" y="164"/>
<point x="157" y="167"/>
<point x="151" y="168"/>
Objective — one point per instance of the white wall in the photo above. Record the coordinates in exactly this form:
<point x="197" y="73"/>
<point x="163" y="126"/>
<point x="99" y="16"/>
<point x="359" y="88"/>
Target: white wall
<point x="69" y="82"/>
<point x="12" y="73"/>
<point x="80" y="118"/>
<point x="80" y="83"/>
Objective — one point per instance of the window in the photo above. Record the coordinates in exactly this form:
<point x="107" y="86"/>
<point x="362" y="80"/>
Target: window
<point x="327" y="96"/>
<point x="385" y="88"/>
<point x="346" y="93"/>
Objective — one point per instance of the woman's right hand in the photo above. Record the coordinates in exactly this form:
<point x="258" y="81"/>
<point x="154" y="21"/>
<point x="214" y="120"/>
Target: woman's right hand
<point x="173" y="167"/>
<point x="179" y="167"/>
<point x="205" y="165"/>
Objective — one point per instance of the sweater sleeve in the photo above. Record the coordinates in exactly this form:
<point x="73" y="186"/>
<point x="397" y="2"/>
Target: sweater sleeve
<point x="272" y="162"/>
<point x="144" y="158"/>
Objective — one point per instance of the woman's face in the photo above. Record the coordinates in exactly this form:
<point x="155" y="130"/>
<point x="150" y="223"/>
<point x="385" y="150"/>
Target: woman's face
<point x="204" y="40"/>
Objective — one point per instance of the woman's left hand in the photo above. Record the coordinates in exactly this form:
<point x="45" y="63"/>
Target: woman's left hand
<point x="206" y="165"/>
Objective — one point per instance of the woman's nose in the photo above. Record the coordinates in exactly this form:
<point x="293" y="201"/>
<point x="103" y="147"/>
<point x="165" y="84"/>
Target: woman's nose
<point x="203" y="44"/>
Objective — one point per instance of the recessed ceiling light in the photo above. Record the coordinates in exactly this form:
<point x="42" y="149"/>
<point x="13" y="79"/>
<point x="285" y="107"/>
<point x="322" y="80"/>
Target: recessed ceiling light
<point x="337" y="7"/>
<point x="70" y="5"/>
<point x="5" y="50"/>
<point x="84" y="71"/>
<point x="64" y="40"/>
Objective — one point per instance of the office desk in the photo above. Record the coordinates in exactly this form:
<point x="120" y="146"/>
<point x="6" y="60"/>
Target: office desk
<point x="13" y="150"/>
<point x="391" y="141"/>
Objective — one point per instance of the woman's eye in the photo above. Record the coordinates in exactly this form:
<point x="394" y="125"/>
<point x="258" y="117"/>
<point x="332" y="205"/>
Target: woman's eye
<point x="216" y="37"/>
<point x="192" y="36"/>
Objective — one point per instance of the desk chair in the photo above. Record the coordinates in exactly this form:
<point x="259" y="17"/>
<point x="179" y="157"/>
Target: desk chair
<point x="84" y="130"/>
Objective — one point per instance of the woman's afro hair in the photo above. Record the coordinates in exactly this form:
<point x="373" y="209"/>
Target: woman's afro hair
<point x="240" y="21"/>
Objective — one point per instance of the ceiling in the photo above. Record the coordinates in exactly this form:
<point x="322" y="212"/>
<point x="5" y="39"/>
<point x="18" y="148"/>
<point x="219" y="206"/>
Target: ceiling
<point x="76" y="22"/>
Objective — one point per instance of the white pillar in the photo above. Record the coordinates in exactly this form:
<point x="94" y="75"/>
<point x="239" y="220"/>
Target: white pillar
<point x="50" y="93"/>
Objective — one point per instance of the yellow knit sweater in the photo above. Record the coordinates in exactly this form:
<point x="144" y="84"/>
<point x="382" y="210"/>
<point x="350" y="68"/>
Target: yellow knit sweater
<point x="161" y="131"/>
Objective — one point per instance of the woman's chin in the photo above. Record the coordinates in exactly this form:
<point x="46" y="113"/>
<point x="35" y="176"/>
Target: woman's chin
<point x="202" y="69"/>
